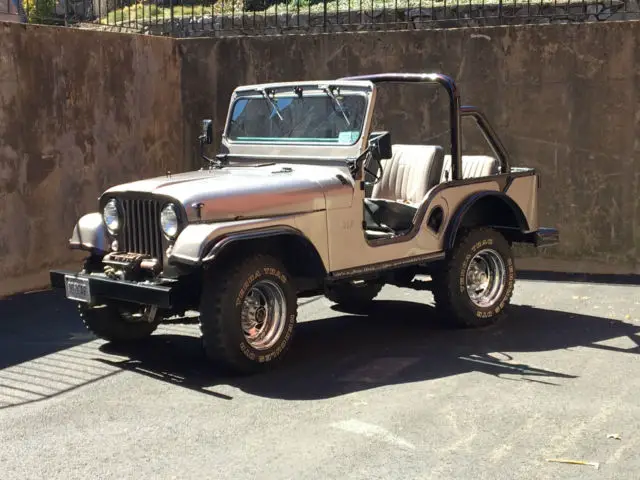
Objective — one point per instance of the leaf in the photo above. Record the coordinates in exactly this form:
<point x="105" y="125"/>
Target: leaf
<point x="596" y="465"/>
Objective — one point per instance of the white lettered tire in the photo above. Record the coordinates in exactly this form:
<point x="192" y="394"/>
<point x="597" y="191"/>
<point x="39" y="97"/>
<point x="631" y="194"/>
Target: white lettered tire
<point x="474" y="286"/>
<point x="248" y="313"/>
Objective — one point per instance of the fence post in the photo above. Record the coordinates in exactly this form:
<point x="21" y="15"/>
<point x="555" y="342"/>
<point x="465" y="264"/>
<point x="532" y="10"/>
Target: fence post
<point x="172" y="19"/>
<point x="325" y="29"/>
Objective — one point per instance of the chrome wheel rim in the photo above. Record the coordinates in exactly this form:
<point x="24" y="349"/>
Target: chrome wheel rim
<point x="485" y="278"/>
<point x="263" y="314"/>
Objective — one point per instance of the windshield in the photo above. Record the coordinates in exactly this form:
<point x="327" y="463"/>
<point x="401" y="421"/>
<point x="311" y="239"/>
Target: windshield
<point x="322" y="117"/>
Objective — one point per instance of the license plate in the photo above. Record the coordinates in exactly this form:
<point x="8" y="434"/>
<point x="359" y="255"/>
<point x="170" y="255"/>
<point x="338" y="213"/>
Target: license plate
<point x="77" y="289"/>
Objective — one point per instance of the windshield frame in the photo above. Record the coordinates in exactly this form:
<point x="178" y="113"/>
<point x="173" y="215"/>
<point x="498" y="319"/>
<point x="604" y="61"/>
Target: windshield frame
<point x="298" y="140"/>
<point x="294" y="148"/>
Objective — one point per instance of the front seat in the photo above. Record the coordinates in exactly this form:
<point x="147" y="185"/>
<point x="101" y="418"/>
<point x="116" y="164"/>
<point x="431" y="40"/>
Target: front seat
<point x="407" y="176"/>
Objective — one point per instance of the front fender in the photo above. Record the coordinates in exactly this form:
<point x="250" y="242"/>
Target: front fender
<point x="198" y="244"/>
<point x="90" y="234"/>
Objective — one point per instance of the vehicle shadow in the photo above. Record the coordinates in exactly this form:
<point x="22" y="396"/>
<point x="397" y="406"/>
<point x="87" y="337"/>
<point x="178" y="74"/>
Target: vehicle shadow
<point x="395" y="343"/>
<point x="565" y="277"/>
<point x="25" y="336"/>
<point x="45" y="350"/>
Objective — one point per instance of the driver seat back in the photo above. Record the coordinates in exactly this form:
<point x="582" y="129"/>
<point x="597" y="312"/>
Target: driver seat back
<point x="410" y="173"/>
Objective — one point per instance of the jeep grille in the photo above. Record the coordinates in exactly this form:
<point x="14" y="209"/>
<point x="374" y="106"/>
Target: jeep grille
<point x="141" y="231"/>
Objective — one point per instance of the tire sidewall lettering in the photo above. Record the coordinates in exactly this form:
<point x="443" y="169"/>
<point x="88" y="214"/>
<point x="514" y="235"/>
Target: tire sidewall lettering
<point x="462" y="280"/>
<point x="280" y="346"/>
<point x="480" y="244"/>
<point x="496" y="308"/>
<point x="253" y="277"/>
<point x="250" y="280"/>
<point x="247" y="350"/>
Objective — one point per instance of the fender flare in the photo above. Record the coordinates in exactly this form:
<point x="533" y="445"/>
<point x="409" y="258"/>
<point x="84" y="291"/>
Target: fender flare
<point x="469" y="202"/>
<point x="213" y="247"/>
<point x="219" y="244"/>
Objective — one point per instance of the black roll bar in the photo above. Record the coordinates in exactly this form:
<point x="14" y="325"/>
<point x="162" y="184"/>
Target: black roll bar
<point x="489" y="135"/>
<point x="456" y="112"/>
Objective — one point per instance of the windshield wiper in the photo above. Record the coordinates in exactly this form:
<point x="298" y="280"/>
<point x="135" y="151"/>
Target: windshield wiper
<point x="273" y="104"/>
<point x="329" y="91"/>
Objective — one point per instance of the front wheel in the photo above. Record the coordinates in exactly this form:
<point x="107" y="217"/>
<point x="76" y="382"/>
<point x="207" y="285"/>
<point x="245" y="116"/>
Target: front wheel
<point x="119" y="322"/>
<point x="475" y="284"/>
<point x="248" y="313"/>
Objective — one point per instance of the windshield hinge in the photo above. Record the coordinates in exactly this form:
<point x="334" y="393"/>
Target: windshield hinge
<point x="352" y="163"/>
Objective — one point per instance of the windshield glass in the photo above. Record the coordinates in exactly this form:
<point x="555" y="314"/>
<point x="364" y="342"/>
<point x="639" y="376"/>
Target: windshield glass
<point x="313" y="118"/>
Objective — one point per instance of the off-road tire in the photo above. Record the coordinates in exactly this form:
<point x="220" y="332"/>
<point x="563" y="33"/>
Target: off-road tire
<point x="453" y="304"/>
<point x="353" y="296"/>
<point x="108" y="323"/>
<point x="224" y="290"/>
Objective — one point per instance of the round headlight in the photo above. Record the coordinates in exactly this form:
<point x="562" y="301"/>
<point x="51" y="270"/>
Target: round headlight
<point x="169" y="221"/>
<point x="111" y="216"/>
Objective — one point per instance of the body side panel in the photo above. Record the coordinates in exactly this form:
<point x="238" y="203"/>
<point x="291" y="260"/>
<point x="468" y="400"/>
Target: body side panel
<point x="348" y="247"/>
<point x="524" y="192"/>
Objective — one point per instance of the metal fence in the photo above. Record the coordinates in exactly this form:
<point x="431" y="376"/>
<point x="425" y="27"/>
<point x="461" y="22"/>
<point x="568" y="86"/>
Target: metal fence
<point x="187" y="18"/>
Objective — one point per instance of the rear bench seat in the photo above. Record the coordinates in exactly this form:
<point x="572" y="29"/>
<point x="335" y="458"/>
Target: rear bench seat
<point x="473" y="166"/>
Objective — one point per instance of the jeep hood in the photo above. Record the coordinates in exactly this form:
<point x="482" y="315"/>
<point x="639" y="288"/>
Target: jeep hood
<point x="235" y="192"/>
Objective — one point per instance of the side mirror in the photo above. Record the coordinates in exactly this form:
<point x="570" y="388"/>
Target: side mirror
<point x="207" y="132"/>
<point x="380" y="145"/>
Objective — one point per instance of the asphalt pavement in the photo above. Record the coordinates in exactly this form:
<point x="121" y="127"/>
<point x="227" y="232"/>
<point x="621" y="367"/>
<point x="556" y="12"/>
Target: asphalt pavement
<point x="386" y="395"/>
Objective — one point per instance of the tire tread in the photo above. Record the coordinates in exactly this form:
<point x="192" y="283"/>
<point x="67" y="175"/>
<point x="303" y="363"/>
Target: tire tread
<point x="218" y="286"/>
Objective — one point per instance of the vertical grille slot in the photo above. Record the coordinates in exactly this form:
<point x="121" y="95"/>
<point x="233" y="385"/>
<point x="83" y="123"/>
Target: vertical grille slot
<point x="141" y="230"/>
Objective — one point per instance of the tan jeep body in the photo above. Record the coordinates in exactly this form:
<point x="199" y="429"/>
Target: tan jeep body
<point x="308" y="197"/>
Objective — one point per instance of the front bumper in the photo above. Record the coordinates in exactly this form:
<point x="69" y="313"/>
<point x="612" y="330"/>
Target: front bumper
<point x="544" y="237"/>
<point x="88" y="288"/>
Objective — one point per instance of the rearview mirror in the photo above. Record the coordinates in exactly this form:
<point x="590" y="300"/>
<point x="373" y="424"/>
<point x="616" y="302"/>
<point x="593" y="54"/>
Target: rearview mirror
<point x="380" y="145"/>
<point x="207" y="132"/>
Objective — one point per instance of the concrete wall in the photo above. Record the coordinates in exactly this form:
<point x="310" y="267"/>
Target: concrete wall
<point x="564" y="98"/>
<point x="79" y="111"/>
<point x="82" y="110"/>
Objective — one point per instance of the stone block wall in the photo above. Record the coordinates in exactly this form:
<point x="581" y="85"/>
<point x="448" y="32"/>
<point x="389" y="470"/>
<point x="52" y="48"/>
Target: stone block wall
<point x="81" y="111"/>
<point x="563" y="99"/>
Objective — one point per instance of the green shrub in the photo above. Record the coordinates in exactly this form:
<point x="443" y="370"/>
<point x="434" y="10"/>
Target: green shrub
<point x="40" y="11"/>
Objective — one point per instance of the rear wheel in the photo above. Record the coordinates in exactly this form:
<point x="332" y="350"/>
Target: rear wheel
<point x="474" y="286"/>
<point x="248" y="313"/>
<point x="119" y="322"/>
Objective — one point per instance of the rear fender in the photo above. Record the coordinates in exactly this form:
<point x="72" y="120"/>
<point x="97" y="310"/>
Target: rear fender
<point x="516" y="221"/>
